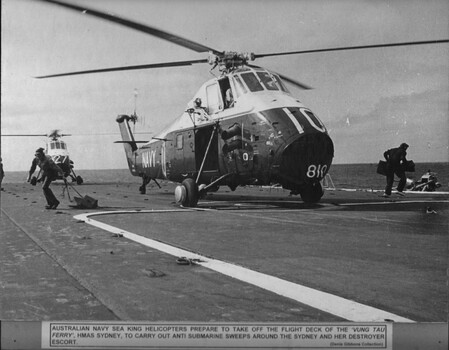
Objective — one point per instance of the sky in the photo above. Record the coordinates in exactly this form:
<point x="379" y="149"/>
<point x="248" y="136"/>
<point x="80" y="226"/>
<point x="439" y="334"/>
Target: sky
<point x="370" y="100"/>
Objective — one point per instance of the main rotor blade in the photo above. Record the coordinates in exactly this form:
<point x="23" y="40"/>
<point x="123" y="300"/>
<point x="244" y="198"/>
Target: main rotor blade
<point x="295" y="82"/>
<point x="24" y="135"/>
<point x="290" y="80"/>
<point x="409" y="43"/>
<point x="113" y="69"/>
<point x="138" y="26"/>
<point x="112" y="133"/>
<point x="46" y="135"/>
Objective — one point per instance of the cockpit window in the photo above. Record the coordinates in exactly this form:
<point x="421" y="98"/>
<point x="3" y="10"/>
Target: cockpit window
<point x="315" y="121"/>
<point x="252" y="82"/>
<point x="266" y="80"/>
<point x="280" y="83"/>
<point x="239" y="86"/>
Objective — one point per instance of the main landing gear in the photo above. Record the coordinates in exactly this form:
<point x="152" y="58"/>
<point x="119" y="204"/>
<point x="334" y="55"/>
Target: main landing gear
<point x="76" y="178"/>
<point x="187" y="194"/>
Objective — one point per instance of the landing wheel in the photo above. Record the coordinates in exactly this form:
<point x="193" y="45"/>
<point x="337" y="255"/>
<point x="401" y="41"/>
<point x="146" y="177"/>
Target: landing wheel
<point x="187" y="193"/>
<point x="145" y="182"/>
<point x="312" y="193"/>
<point x="79" y="180"/>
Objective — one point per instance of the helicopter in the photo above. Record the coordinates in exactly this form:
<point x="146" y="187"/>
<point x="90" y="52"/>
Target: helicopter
<point x="243" y="127"/>
<point x="57" y="150"/>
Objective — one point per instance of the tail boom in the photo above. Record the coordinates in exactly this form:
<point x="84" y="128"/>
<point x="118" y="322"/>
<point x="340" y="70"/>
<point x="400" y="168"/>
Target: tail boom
<point x="129" y="143"/>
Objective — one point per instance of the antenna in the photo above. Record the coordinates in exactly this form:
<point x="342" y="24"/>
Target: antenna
<point x="136" y="93"/>
<point x="134" y="115"/>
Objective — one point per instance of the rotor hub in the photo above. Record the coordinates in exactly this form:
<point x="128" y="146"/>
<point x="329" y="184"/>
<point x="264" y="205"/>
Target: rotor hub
<point x="230" y="60"/>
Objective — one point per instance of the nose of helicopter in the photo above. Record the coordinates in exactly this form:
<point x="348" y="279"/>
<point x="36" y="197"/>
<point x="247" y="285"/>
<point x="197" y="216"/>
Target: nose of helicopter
<point x="306" y="161"/>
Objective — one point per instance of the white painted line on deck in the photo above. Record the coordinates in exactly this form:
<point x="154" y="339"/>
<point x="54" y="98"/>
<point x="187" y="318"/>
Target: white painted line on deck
<point x="392" y="202"/>
<point x="372" y="190"/>
<point x="344" y="308"/>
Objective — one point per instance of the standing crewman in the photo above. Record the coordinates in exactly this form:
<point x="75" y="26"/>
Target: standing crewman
<point x="2" y="173"/>
<point x="396" y="164"/>
<point x="49" y="172"/>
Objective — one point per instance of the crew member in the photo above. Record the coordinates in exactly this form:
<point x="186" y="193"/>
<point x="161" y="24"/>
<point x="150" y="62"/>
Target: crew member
<point x="2" y="173"/>
<point x="49" y="172"/>
<point x="200" y="113"/>
<point x="396" y="164"/>
<point x="229" y="99"/>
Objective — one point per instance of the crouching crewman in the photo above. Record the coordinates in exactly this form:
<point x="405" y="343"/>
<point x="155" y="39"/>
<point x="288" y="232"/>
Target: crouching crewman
<point x="49" y="172"/>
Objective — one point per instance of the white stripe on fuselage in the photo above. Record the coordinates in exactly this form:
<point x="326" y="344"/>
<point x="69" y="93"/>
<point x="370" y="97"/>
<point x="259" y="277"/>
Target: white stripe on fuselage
<point x="294" y="120"/>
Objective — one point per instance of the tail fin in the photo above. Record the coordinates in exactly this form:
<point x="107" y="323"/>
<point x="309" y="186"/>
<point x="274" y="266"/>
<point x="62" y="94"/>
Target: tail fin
<point x="129" y="142"/>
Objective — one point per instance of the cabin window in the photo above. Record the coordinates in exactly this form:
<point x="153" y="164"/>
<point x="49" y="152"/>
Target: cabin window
<point x="252" y="82"/>
<point x="266" y="80"/>
<point x="179" y="141"/>
<point x="58" y="146"/>
<point x="62" y="145"/>
<point x="52" y="145"/>
<point x="213" y="98"/>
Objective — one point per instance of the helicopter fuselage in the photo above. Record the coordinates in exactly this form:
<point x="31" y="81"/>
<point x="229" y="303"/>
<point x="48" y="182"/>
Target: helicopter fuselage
<point x="57" y="150"/>
<point x="263" y="136"/>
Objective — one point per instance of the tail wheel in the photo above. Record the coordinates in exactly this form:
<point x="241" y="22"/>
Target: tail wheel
<point x="312" y="193"/>
<point x="187" y="193"/>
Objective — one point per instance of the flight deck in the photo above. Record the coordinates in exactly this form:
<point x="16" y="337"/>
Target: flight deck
<point x="256" y="254"/>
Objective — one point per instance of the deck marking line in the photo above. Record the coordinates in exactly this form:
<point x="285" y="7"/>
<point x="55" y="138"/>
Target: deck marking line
<point x="390" y="202"/>
<point x="341" y="307"/>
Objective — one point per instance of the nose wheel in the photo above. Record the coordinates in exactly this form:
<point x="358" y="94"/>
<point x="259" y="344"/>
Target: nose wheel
<point x="187" y="193"/>
<point x="312" y="193"/>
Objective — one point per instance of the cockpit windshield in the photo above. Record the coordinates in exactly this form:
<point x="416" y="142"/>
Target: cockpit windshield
<point x="239" y="86"/>
<point x="266" y="80"/>
<point x="262" y="80"/>
<point x="280" y="83"/>
<point x="57" y="145"/>
<point x="252" y="82"/>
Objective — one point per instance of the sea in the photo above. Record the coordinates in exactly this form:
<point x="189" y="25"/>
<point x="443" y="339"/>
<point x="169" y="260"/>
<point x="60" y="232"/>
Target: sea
<point x="355" y="176"/>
